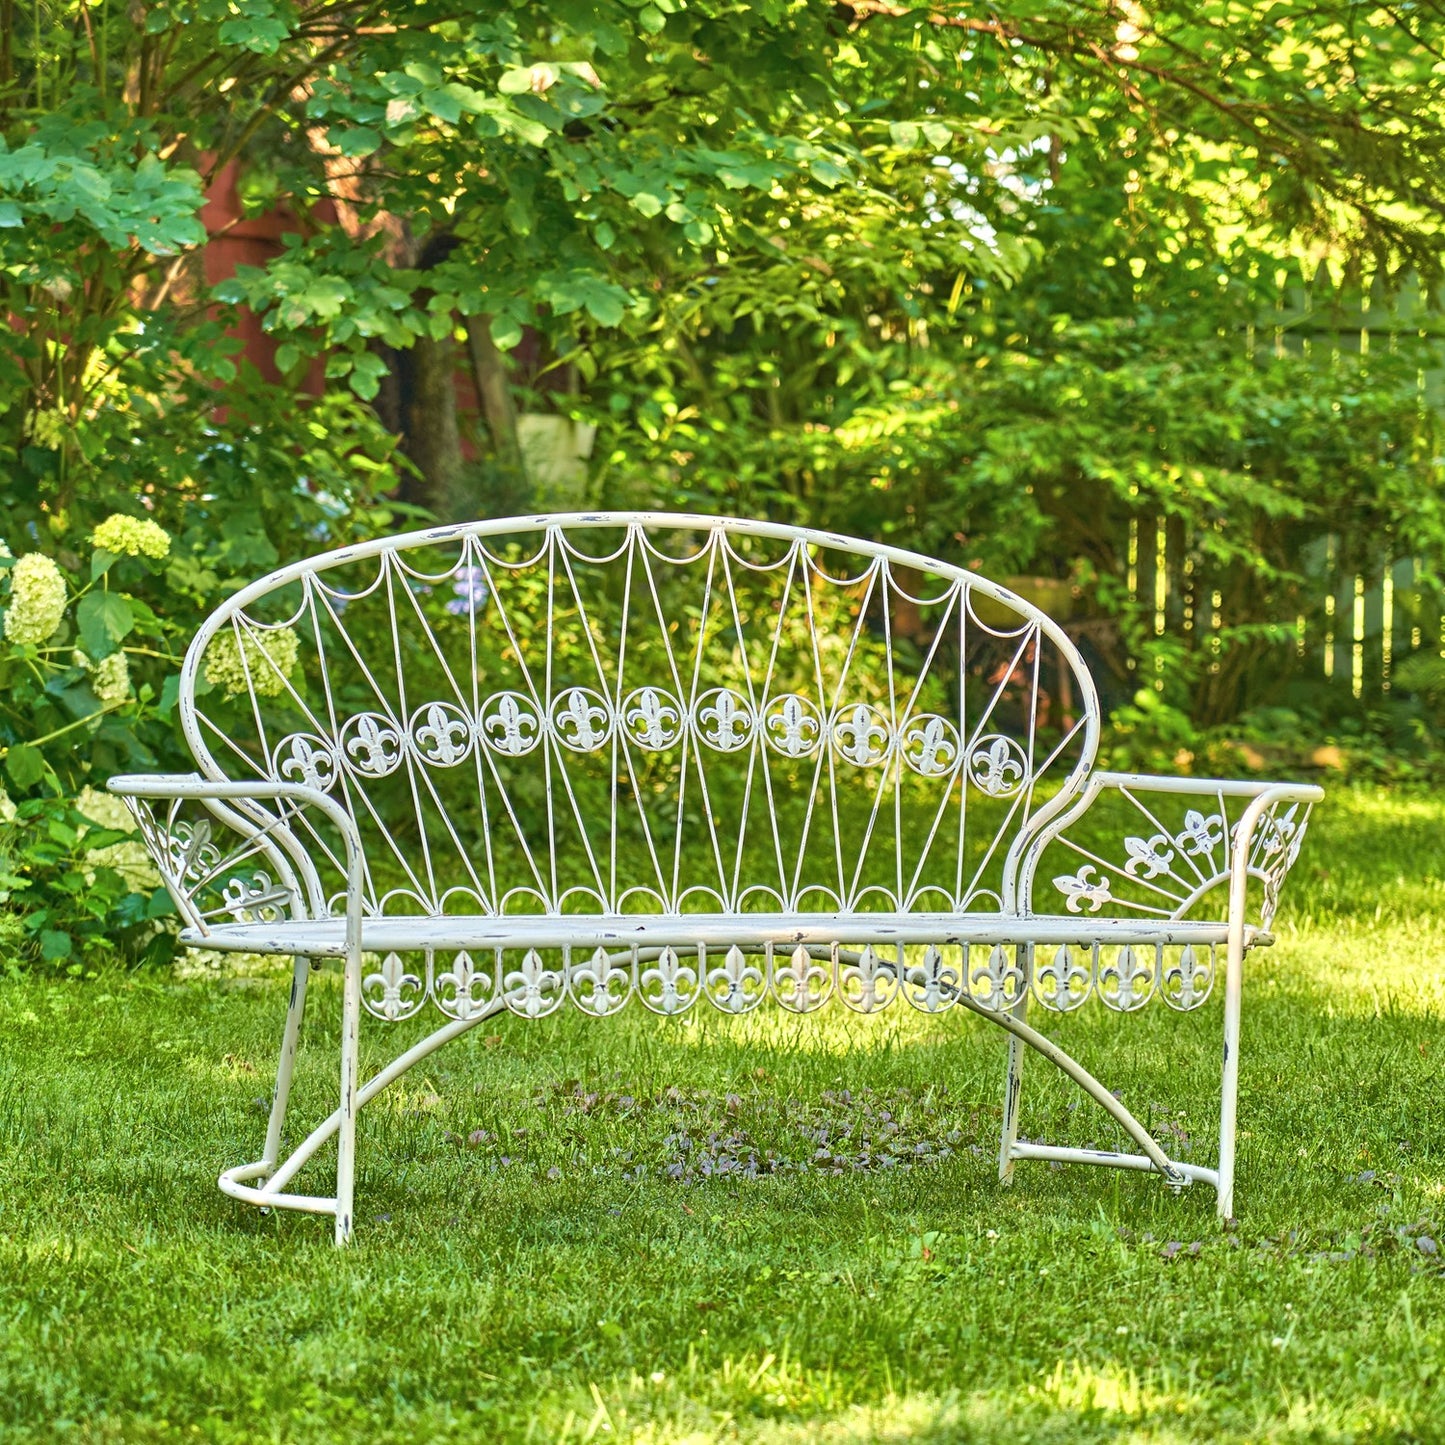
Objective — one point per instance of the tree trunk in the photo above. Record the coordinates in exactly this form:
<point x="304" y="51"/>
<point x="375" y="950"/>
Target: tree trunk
<point x="495" y="394"/>
<point x="433" y="440"/>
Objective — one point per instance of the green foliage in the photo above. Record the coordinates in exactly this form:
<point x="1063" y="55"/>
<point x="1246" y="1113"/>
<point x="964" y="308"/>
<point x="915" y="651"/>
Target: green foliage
<point x="237" y="493"/>
<point x="982" y="286"/>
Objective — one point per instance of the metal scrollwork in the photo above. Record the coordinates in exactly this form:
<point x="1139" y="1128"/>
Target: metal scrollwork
<point x="793" y="725"/>
<point x="392" y="993"/>
<point x="869" y="984"/>
<point x="581" y="720"/>
<point x="509" y="724"/>
<point x="441" y="734"/>
<point x="998" y="766"/>
<point x="725" y="722"/>
<point x="653" y="718"/>
<point x="736" y="986"/>
<point x="305" y="758"/>
<point x="930" y="745"/>
<point x="861" y="735"/>
<point x="371" y="744"/>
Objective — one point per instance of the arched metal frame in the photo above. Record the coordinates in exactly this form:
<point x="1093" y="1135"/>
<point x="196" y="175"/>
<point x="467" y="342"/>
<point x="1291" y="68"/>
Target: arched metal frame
<point x="736" y="928"/>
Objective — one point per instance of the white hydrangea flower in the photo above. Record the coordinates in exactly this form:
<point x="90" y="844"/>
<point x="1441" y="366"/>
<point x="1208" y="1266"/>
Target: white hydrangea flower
<point x="129" y="858"/>
<point x="37" y="599"/>
<point x="131" y="537"/>
<point x="110" y="679"/>
<point x="269" y="659"/>
<point x="105" y="810"/>
<point x="7" y="806"/>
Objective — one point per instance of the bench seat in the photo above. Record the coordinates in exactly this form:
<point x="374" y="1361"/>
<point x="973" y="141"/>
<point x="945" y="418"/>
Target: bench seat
<point x="325" y="938"/>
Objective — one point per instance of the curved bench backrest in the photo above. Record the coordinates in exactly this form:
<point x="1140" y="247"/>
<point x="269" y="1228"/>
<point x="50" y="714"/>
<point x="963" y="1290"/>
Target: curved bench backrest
<point x="648" y="714"/>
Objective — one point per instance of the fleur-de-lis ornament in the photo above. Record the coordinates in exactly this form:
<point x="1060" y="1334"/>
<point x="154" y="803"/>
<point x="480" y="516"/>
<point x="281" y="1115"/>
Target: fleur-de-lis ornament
<point x="861" y="735"/>
<point x="736" y="986"/>
<point x="1065" y="980"/>
<point x="392" y="993"/>
<point x="1127" y="982"/>
<point x="464" y="990"/>
<point x="581" y="720"/>
<point x="793" y="725"/>
<point x="994" y="767"/>
<point x="653" y="718"/>
<point x="600" y="986"/>
<point x="443" y="736"/>
<point x="802" y="984"/>
<point x="1187" y="981"/>
<point x="532" y="989"/>
<point x="255" y="898"/>
<point x="1148" y="857"/>
<point x="302" y="758"/>
<point x="725" y="720"/>
<point x="1200" y="834"/>
<point x="372" y="743"/>
<point x="1080" y="888"/>
<point x="999" y="984"/>
<point x="868" y="985"/>
<point x="930" y="745"/>
<point x="669" y="986"/>
<point x="510" y="724"/>
<point x="931" y="986"/>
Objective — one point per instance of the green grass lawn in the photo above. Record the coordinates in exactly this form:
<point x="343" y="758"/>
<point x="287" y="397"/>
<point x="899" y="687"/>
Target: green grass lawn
<point x="548" y="1250"/>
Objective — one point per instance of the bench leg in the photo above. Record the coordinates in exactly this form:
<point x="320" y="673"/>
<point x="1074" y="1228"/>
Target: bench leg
<point x="1012" y="1092"/>
<point x="346" y="1130"/>
<point x="290" y="1040"/>
<point x="1229" y="1091"/>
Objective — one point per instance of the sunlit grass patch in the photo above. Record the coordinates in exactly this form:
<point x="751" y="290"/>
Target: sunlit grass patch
<point x="771" y="1229"/>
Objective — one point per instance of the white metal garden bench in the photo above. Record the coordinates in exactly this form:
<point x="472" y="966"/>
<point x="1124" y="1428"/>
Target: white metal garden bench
<point x="509" y="766"/>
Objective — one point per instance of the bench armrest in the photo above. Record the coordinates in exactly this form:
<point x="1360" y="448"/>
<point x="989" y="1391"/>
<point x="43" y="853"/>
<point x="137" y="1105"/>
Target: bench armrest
<point x="1181" y="852"/>
<point x="209" y="884"/>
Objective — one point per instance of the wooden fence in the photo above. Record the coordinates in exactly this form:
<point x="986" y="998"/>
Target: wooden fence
<point x="1367" y="621"/>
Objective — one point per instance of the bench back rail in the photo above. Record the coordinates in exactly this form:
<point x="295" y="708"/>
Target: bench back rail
<point x="646" y="715"/>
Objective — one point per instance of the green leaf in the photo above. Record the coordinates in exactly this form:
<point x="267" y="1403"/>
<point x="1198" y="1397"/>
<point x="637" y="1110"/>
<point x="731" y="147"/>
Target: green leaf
<point x="10" y="214"/>
<point x="101" y="562"/>
<point x="170" y="694"/>
<point x="506" y="332"/>
<point x="25" y="764"/>
<point x="54" y="944"/>
<point x="647" y="203"/>
<point x="651" y="19"/>
<point x="104" y="618"/>
<point x="356" y="140"/>
<point x="515" y="82"/>
<point x="904" y="134"/>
